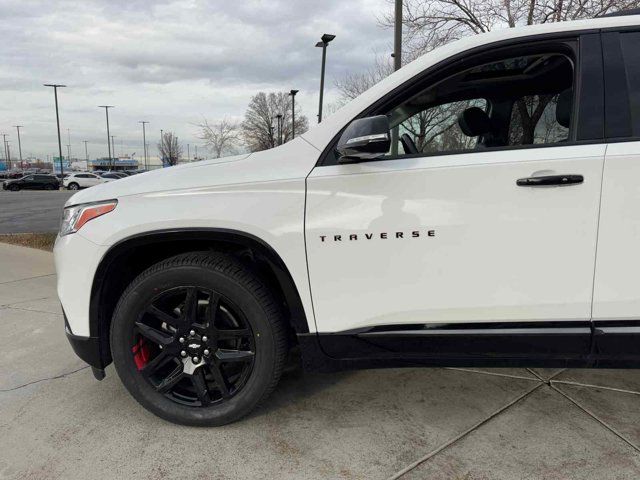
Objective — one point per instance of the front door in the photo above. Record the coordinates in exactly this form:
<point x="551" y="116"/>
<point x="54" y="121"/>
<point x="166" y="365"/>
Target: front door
<point x="500" y="235"/>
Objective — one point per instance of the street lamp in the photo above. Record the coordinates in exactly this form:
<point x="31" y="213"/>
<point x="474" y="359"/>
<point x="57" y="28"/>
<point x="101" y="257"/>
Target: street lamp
<point x="8" y="153"/>
<point x="4" y="147"/>
<point x="293" y="112"/>
<point x="279" y="117"/>
<point x="144" y="141"/>
<point x="18" y="127"/>
<point x="86" y="153"/>
<point x="106" y="111"/>
<point x="325" y="39"/>
<point x="55" y="94"/>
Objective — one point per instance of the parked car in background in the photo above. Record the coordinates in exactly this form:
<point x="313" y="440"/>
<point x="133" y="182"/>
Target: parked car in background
<point x="113" y="175"/>
<point x="78" y="180"/>
<point x="32" y="182"/>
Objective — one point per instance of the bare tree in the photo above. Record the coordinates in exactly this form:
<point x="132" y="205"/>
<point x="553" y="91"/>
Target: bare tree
<point x="220" y="137"/>
<point x="431" y="23"/>
<point x="169" y="148"/>
<point x="353" y="84"/>
<point x="260" y="126"/>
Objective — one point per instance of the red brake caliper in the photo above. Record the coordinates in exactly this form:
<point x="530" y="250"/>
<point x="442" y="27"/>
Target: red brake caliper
<point x="141" y="353"/>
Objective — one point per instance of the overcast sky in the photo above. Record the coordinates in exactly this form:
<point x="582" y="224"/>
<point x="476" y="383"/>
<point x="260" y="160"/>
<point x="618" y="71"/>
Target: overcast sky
<point x="171" y="63"/>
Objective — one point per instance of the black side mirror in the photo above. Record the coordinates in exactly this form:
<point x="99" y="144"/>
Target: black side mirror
<point x="365" y="139"/>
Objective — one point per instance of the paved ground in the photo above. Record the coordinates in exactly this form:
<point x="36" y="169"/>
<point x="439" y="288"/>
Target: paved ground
<point x="31" y="211"/>
<point x="56" y="422"/>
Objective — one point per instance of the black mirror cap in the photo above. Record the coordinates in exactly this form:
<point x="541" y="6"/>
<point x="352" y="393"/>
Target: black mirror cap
<point x="365" y="139"/>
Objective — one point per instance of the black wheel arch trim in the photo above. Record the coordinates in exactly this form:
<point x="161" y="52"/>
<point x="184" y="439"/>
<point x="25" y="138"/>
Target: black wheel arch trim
<point x="298" y="317"/>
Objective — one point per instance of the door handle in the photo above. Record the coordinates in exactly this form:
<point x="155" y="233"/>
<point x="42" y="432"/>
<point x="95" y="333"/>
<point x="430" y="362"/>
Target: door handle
<point x="550" y="180"/>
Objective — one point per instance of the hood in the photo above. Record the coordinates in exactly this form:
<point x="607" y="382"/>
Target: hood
<point x="294" y="159"/>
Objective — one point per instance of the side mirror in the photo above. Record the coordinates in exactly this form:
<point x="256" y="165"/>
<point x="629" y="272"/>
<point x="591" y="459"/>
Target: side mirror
<point x="365" y="139"/>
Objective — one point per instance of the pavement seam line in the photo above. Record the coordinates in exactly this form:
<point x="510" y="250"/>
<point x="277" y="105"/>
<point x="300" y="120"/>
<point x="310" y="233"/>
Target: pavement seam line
<point x="55" y="377"/>
<point x="9" y="307"/>
<point x="25" y="301"/>
<point x="28" y="278"/>
<point x="470" y="370"/>
<point x="588" y="385"/>
<point x="548" y="380"/>
<point x="449" y="443"/>
<point x="594" y="416"/>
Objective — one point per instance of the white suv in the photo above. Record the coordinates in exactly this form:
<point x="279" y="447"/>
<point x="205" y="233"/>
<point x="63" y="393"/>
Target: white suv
<point x="78" y="180"/>
<point x="501" y="228"/>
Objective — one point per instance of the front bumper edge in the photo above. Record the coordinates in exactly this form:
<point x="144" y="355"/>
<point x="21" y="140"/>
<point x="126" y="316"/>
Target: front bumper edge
<point x="88" y="349"/>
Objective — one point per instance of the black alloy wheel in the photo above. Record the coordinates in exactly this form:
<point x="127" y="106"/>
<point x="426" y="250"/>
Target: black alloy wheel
<point x="198" y="339"/>
<point x="193" y="346"/>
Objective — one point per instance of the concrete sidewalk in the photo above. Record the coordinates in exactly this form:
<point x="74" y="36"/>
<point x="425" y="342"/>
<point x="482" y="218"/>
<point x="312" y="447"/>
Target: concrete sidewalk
<point x="57" y="422"/>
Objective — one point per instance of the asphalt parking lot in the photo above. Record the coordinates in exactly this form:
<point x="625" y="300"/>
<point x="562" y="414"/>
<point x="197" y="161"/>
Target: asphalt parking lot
<point x="31" y="211"/>
<point x="57" y="422"/>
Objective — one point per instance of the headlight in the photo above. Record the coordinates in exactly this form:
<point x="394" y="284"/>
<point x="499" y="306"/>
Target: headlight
<point x="73" y="218"/>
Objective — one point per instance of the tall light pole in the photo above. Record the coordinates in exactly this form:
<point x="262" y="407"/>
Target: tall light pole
<point x="86" y="152"/>
<point x="106" y="111"/>
<point x="397" y="63"/>
<point x="279" y="117"/>
<point x="6" y="142"/>
<point x="324" y="41"/>
<point x="18" y="127"/>
<point x="144" y="141"/>
<point x="55" y="94"/>
<point x="188" y="153"/>
<point x="293" y="112"/>
<point x="4" y="149"/>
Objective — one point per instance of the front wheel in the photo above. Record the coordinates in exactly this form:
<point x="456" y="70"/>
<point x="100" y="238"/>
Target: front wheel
<point x="14" y="188"/>
<point x="73" y="186"/>
<point x="198" y="339"/>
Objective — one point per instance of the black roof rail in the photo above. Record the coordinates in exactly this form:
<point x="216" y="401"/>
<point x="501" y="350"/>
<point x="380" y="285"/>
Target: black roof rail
<point x="622" y="13"/>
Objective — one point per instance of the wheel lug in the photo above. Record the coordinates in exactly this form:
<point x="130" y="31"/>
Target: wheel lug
<point x="195" y="359"/>
<point x="192" y="332"/>
<point x="204" y="339"/>
<point x="181" y="339"/>
<point x="206" y="352"/>
<point x="183" y="353"/>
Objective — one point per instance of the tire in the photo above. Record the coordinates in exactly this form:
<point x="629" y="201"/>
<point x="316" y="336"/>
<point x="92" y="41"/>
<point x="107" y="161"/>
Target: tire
<point x="73" y="186"/>
<point x="14" y="188"/>
<point x="49" y="187"/>
<point x="242" y="302"/>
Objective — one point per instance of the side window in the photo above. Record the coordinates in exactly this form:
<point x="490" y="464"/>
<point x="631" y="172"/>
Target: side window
<point x="516" y="101"/>
<point x="436" y="129"/>
<point x="630" y="45"/>
<point x="535" y="119"/>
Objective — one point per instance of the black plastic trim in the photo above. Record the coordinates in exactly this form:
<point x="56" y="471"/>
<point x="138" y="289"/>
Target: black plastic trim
<point x="576" y="344"/>
<point x="87" y="348"/>
<point x="617" y="111"/>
